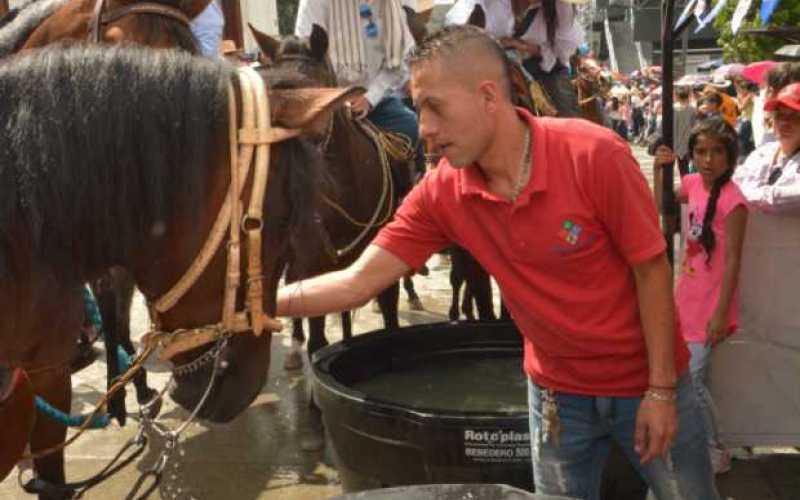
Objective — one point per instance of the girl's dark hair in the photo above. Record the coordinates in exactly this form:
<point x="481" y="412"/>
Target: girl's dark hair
<point x="718" y="129"/>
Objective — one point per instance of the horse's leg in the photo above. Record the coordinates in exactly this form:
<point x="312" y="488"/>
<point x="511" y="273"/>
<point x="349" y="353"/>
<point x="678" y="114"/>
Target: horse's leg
<point x="413" y="299"/>
<point x="347" y="325"/>
<point x="316" y="334"/>
<point x="56" y="389"/>
<point x="467" y="304"/>
<point x="314" y="439"/>
<point x="456" y="280"/>
<point x="387" y="300"/>
<point x="123" y="286"/>
<point x="479" y="285"/>
<point x="504" y="314"/>
<point x="107" y="305"/>
<point x="294" y="359"/>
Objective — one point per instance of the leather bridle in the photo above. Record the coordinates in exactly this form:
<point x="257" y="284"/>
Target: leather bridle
<point x="101" y="16"/>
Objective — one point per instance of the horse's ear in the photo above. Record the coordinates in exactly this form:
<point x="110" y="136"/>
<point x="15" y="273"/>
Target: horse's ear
<point x="318" y="42"/>
<point x="417" y="23"/>
<point x="268" y="45"/>
<point x="308" y="109"/>
<point x="193" y="8"/>
<point x="478" y="17"/>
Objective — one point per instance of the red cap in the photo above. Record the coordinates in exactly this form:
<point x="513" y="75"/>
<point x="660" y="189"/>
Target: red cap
<point x="789" y="96"/>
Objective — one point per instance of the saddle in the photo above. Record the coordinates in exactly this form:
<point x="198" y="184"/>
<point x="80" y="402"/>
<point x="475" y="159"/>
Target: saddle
<point x="16" y="416"/>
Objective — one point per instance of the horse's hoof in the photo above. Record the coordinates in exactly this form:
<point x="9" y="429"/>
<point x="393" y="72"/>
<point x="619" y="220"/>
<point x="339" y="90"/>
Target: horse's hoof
<point x="424" y="271"/>
<point x="415" y="304"/>
<point x="293" y="361"/>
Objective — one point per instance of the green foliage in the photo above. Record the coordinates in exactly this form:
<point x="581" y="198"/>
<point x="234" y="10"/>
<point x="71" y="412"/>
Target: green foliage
<point x="747" y="48"/>
<point x="287" y="12"/>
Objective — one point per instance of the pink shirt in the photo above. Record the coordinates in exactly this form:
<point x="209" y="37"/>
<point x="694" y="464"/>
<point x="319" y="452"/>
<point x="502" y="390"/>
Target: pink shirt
<point x="700" y="281"/>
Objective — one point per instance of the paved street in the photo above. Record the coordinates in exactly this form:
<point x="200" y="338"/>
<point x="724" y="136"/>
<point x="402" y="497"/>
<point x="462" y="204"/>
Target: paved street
<point x="258" y="455"/>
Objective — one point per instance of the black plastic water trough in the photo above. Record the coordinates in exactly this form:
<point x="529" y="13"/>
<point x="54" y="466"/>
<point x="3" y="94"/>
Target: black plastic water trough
<point x="382" y="443"/>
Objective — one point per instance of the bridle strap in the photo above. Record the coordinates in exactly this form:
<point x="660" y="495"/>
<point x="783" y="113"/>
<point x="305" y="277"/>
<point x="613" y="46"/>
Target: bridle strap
<point x="250" y="144"/>
<point x="100" y="18"/>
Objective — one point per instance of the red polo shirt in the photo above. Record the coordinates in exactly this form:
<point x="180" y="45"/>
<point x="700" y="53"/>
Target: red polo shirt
<point x="561" y="253"/>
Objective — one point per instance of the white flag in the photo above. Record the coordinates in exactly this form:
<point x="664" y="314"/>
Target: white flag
<point x="687" y="11"/>
<point x="739" y="14"/>
<point x="700" y="9"/>
<point x="711" y="15"/>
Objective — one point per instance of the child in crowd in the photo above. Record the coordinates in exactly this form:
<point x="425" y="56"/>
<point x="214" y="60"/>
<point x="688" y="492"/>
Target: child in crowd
<point x="711" y="106"/>
<point x="707" y="289"/>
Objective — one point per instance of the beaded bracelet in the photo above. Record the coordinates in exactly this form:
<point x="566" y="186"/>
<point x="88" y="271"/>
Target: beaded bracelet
<point x="658" y="396"/>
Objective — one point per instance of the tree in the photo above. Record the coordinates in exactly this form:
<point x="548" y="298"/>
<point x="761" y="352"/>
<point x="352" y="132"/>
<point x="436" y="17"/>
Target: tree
<point x="287" y="12"/>
<point x="747" y="48"/>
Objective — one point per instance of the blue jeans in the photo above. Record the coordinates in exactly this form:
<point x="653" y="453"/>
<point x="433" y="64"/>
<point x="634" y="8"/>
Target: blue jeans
<point x="698" y="366"/>
<point x="588" y="424"/>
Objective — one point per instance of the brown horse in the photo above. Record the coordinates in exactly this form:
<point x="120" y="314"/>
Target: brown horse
<point x="107" y="162"/>
<point x="362" y="177"/>
<point x="156" y="24"/>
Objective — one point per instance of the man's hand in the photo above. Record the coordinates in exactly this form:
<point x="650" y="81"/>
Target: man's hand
<point x="656" y="424"/>
<point x="715" y="330"/>
<point x="664" y="156"/>
<point x="359" y="107"/>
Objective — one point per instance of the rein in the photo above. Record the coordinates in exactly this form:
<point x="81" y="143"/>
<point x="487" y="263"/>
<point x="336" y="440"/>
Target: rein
<point x="101" y="17"/>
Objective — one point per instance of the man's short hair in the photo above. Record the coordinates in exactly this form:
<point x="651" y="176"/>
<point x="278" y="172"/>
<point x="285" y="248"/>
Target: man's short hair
<point x="682" y="92"/>
<point x="452" y="41"/>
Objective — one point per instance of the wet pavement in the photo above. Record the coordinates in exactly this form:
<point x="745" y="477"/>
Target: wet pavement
<point x="258" y="455"/>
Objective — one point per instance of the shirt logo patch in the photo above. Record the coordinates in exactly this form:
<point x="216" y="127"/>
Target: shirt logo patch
<point x="570" y="232"/>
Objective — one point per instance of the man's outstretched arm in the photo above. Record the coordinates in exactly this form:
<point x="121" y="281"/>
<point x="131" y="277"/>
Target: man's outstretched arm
<point x="343" y="290"/>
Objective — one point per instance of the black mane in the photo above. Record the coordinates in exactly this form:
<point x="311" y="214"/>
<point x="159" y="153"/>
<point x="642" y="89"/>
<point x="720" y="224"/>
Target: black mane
<point x="100" y="145"/>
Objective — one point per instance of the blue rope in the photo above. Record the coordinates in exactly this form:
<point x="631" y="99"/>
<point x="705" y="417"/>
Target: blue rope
<point x="98" y="422"/>
<point x="92" y="311"/>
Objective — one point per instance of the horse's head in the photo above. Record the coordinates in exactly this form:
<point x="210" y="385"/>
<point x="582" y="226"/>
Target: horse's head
<point x="306" y="57"/>
<point x="290" y="223"/>
<point x="155" y="23"/>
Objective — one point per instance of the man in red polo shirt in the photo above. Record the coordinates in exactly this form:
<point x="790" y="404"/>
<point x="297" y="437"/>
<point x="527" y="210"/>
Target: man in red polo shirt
<point x="559" y="213"/>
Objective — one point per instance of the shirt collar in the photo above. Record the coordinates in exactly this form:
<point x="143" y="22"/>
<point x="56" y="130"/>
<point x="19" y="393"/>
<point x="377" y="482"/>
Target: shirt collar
<point x="473" y="182"/>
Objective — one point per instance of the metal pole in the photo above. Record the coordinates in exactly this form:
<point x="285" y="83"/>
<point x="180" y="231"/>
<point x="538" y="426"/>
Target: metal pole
<point x="685" y="49"/>
<point x="668" y="208"/>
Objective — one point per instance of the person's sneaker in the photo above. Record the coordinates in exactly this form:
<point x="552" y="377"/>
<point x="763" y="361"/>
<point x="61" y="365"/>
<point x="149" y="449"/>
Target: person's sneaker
<point x="720" y="460"/>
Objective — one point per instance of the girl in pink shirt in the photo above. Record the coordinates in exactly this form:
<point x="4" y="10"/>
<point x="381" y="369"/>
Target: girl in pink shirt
<point x="706" y="294"/>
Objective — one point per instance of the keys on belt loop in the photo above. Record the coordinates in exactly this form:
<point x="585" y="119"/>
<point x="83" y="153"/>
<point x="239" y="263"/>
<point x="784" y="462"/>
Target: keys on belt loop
<point x="551" y="424"/>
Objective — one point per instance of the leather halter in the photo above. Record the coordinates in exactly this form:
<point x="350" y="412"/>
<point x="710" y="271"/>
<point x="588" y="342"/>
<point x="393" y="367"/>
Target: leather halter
<point x="249" y="144"/>
<point x="101" y="18"/>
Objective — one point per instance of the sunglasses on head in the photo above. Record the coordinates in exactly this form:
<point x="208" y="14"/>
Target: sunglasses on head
<point x="365" y="12"/>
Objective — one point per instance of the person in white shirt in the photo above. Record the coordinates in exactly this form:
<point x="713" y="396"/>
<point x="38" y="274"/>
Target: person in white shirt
<point x="544" y="33"/>
<point x="369" y="40"/>
<point x="207" y="29"/>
